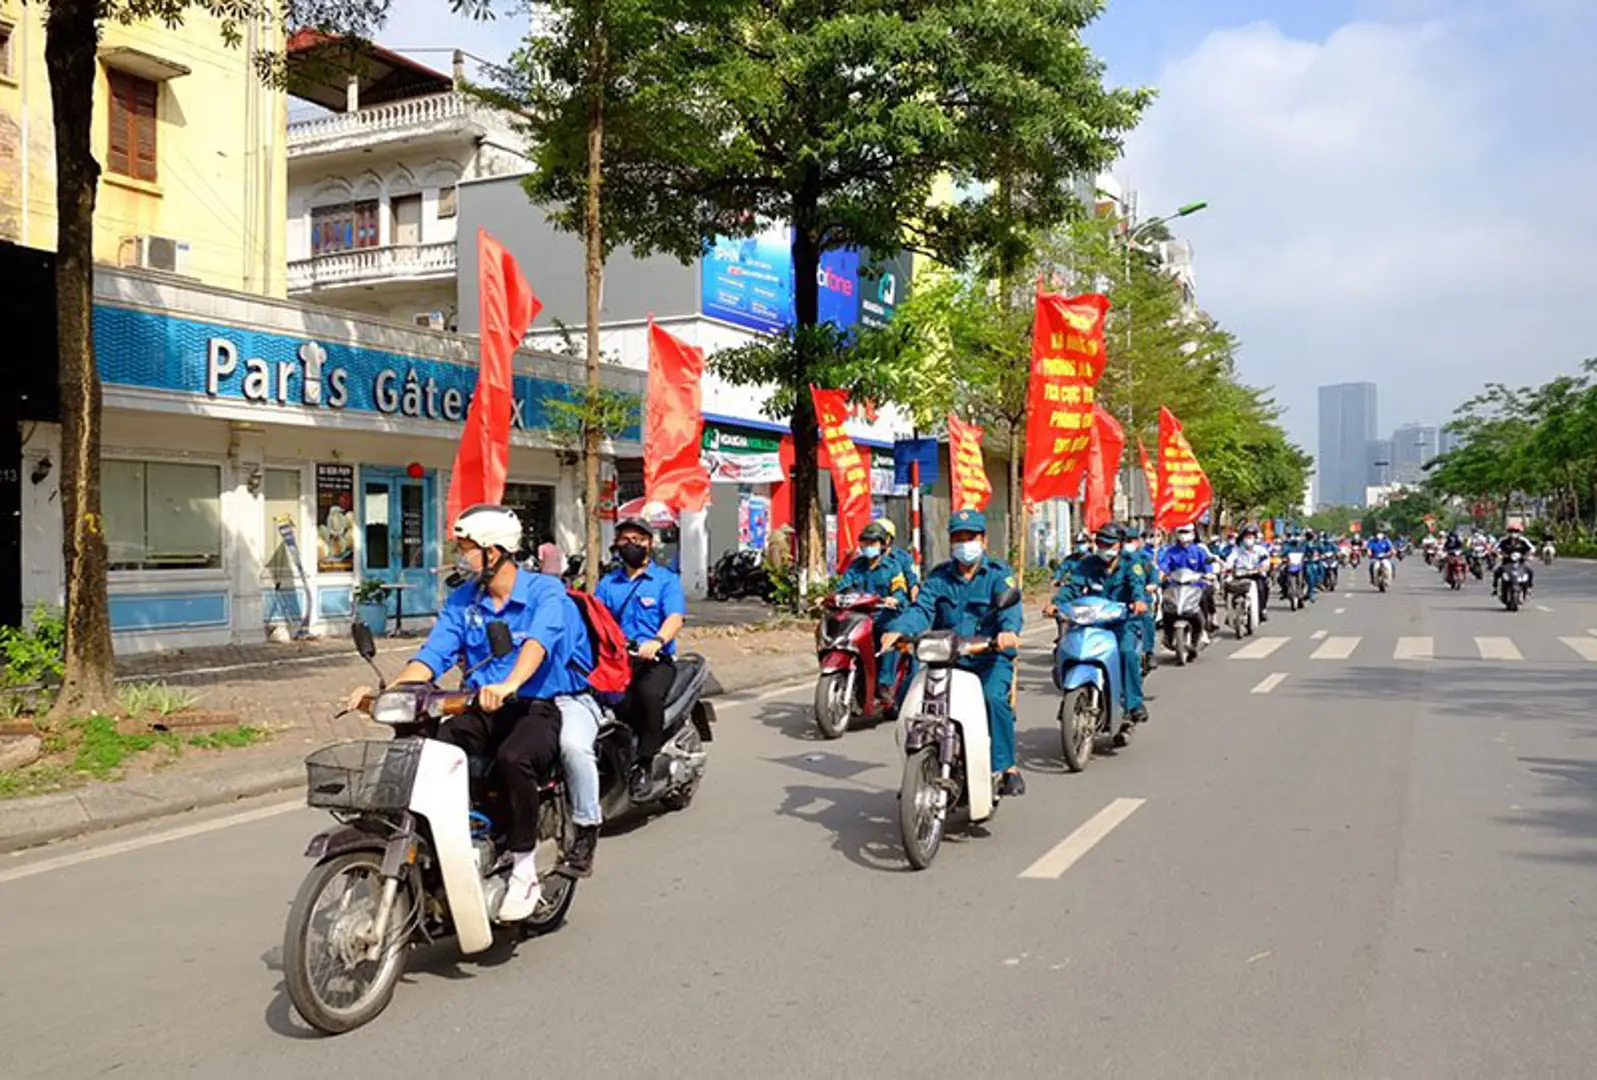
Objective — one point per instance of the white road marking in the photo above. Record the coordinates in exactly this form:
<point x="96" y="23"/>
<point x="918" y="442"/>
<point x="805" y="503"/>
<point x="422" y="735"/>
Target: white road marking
<point x="1318" y="635"/>
<point x="1544" y="608"/>
<point x="1337" y="648"/>
<point x="1347" y="596"/>
<point x="1258" y="650"/>
<point x="1497" y="648"/>
<point x="1417" y="648"/>
<point x="1269" y="682"/>
<point x="1587" y="647"/>
<point x="1065" y="854"/>
<point x="1340" y="611"/>
<point x="139" y="843"/>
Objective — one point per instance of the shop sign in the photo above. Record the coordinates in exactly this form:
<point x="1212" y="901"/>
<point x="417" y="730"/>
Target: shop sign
<point x="735" y="457"/>
<point x="883" y="481"/>
<point x="335" y="518"/>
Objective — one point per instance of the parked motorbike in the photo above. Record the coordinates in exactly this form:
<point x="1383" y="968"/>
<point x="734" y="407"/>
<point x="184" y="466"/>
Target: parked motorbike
<point x="1381" y="573"/>
<point x="1513" y="583"/>
<point x="1181" y="613"/>
<point x="1087" y="670"/>
<point x="417" y="855"/>
<point x="943" y="741"/>
<point x="682" y="757"/>
<point x="739" y="575"/>
<point x="845" y="641"/>
<point x="1454" y="569"/>
<point x="1294" y="581"/>
<point x="1242" y="603"/>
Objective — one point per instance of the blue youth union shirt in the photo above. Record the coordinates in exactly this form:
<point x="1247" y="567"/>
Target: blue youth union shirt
<point x="642" y="604"/>
<point x="538" y="609"/>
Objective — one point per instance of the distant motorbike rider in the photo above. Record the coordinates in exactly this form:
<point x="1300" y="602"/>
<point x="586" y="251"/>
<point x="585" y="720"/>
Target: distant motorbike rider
<point x="875" y="571"/>
<point x="902" y="556"/>
<point x="1187" y="554"/>
<point x="1453" y="544"/>
<point x="1515" y="542"/>
<point x="1109" y="573"/>
<point x="1250" y="559"/>
<point x="1380" y="548"/>
<point x="1296" y="544"/>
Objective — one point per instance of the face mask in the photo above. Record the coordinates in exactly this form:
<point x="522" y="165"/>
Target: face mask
<point x="1108" y="554"/>
<point x="1250" y="543"/>
<point x="632" y="555"/>
<point x="1133" y="546"/>
<point x="871" y="551"/>
<point x="969" y="552"/>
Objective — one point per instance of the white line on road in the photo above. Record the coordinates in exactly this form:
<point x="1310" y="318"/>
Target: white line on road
<point x="1587" y="647"/>
<point x="1065" y="854"/>
<point x="1340" y="611"/>
<point x="1337" y="648"/>
<point x="1497" y="648"/>
<point x="1544" y="608"/>
<point x="1416" y="648"/>
<point x="1258" y="650"/>
<point x="1347" y="596"/>
<point x="138" y="843"/>
<point x="1269" y="682"/>
<point x="1318" y="635"/>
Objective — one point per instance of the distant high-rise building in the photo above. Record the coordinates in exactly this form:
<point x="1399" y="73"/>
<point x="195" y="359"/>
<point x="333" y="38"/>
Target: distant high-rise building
<point x="1379" y="470"/>
<point x="1347" y="427"/>
<point x="1413" y="446"/>
<point x="1446" y="442"/>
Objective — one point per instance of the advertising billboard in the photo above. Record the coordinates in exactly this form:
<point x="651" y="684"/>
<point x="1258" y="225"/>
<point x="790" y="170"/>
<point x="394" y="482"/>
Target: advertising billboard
<point x="748" y="281"/>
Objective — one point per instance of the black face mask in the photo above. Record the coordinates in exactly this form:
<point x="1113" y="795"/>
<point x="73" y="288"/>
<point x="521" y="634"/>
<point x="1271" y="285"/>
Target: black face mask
<point x="632" y="555"/>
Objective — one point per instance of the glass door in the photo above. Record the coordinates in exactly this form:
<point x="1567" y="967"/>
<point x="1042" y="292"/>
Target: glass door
<point x="400" y="527"/>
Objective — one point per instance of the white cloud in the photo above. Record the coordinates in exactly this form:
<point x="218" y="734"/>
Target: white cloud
<point x="1401" y="201"/>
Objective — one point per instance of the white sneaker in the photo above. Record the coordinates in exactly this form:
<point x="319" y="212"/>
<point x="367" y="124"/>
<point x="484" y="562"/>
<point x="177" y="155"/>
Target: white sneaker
<point x="524" y="893"/>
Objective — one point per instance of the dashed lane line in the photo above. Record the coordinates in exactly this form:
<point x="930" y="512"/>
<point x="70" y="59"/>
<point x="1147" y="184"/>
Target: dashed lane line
<point x="1336" y="648"/>
<point x="1065" y="854"/>
<point x="1269" y="682"/>
<point x="1259" y="649"/>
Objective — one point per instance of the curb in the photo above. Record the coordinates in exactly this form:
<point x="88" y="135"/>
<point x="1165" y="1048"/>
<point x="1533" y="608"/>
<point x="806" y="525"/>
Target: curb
<point x="44" y="819"/>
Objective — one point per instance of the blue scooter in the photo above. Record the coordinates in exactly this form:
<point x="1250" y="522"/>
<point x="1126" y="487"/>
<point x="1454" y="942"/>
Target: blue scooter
<point x="1087" y="670"/>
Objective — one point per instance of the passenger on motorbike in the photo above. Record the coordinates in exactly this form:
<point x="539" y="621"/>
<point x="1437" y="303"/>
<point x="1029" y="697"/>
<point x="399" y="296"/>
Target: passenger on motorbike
<point x="962" y="595"/>
<point x="647" y="602"/>
<point x="1109" y="573"/>
<point x="1515" y="541"/>
<point x="1380" y="548"/>
<point x="521" y="697"/>
<point x="1187" y="554"/>
<point x="1453" y="543"/>
<point x="1134" y="548"/>
<point x="902" y="556"/>
<point x="1250" y="559"/>
<point x="875" y="572"/>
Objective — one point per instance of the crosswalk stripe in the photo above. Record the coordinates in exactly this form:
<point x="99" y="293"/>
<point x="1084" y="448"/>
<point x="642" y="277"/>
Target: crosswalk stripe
<point x="1497" y="648"/>
<point x="1260" y="648"/>
<point x="1419" y="648"/>
<point x="1336" y="648"/>
<point x="1269" y="682"/>
<point x="1587" y="647"/>
<point x="1318" y="635"/>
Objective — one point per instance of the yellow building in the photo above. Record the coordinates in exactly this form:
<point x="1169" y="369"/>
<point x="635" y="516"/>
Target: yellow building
<point x="190" y="143"/>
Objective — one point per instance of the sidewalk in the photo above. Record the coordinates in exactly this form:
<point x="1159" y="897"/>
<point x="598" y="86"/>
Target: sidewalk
<point x="294" y="690"/>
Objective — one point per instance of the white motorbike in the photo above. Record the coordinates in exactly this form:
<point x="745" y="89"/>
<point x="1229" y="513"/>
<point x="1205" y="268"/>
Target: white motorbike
<point x="1549" y="553"/>
<point x="944" y="742"/>
<point x="417" y="855"/>
<point x="1381" y="572"/>
<point x="1242" y="602"/>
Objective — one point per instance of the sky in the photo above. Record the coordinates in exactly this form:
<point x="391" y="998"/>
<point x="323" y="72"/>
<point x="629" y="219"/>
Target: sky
<point x="1400" y="191"/>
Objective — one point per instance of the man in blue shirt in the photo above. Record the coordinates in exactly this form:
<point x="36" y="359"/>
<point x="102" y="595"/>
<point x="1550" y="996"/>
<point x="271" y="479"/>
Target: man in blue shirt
<point x="962" y="595"/>
<point x="647" y="601"/>
<point x="1110" y="573"/>
<point x="876" y="572"/>
<point x="518" y="714"/>
<point x="1380" y="548"/>
<point x="1187" y="554"/>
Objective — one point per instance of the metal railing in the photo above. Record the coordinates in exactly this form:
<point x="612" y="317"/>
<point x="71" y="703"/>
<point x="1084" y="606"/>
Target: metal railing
<point x="389" y="116"/>
<point x="370" y="265"/>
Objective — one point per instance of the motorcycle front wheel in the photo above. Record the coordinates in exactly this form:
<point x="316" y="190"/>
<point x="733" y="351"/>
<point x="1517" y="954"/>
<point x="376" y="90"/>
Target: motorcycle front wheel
<point x="330" y="980"/>
<point x="1078" y="724"/>
<point x="833" y="709"/>
<point x="1178" y="641"/>
<point x="1512" y="597"/>
<point x="922" y="807"/>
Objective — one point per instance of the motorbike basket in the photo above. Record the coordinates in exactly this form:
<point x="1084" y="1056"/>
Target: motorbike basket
<point x="362" y="775"/>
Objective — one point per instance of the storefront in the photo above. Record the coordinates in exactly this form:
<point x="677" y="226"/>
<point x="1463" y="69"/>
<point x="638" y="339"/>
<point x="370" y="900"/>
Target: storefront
<point x="745" y="466"/>
<point x="258" y="464"/>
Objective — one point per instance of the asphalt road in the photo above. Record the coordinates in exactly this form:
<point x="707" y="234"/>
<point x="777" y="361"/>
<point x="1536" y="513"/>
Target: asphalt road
<point x="1368" y="867"/>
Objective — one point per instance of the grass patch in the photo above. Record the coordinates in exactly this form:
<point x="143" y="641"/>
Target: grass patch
<point x="143" y="699"/>
<point x="40" y="779"/>
<point x="233" y="738"/>
<point x="96" y="749"/>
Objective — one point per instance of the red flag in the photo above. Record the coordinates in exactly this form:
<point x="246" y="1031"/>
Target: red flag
<point x="971" y="489"/>
<point x="1149" y="474"/>
<point x="506" y="307"/>
<point x="673" y="471"/>
<point x="1067" y="357"/>
<point x="851" y="480"/>
<point x="1184" y="492"/>
<point x="1103" y="463"/>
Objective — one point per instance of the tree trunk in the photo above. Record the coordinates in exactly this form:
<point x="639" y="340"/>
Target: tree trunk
<point x="88" y="686"/>
<point x="592" y="434"/>
<point x="807" y="519"/>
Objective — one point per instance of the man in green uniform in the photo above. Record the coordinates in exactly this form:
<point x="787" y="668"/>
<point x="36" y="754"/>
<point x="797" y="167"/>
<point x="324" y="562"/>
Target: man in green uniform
<point x="1110" y="574"/>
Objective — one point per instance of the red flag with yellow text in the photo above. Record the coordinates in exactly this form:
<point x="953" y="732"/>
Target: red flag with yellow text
<point x="851" y="480"/>
<point x="1184" y="491"/>
<point x="971" y="488"/>
<point x="673" y="424"/>
<point x="1149" y="474"/>
<point x="1103" y="464"/>
<point x="1067" y="357"/>
<point x="506" y="307"/>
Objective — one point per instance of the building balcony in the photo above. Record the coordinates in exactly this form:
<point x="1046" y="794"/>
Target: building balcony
<point x="365" y="267"/>
<point x="435" y="118"/>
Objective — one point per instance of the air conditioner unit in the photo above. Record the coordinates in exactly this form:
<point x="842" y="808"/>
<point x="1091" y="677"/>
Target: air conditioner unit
<point x="430" y="320"/>
<point x="160" y="253"/>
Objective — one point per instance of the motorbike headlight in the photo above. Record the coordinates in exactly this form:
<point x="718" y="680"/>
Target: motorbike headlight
<point x="395" y="708"/>
<point x="935" y="650"/>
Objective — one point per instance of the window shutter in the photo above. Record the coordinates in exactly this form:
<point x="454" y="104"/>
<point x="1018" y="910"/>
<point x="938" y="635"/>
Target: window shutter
<point x="119" y="151"/>
<point x="144" y="101"/>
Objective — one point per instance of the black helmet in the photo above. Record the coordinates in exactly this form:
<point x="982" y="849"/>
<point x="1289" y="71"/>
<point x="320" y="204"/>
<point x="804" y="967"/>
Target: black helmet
<point x="1110" y="535"/>
<point x="873" y="532"/>
<point x="635" y="524"/>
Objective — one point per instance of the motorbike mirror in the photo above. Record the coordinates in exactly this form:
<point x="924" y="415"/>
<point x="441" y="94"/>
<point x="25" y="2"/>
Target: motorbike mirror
<point x="1008" y="598"/>
<point x="499" y="640"/>
<point x="365" y="644"/>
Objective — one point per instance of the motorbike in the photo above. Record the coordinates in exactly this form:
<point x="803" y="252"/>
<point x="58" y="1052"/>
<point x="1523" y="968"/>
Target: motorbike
<point x="1513" y="582"/>
<point x="1430" y="556"/>
<point x="741" y="574"/>
<point x="1454" y="569"/>
<point x="943" y="741"/>
<point x="1181" y="613"/>
<point x="1476" y="566"/>
<point x="1381" y="573"/>
<point x="1331" y="567"/>
<point x="1242" y="603"/>
<point x="1491" y="562"/>
<point x="1087" y="670"/>
<point x="682" y="757"/>
<point x="417" y="854"/>
<point x="1548" y="553"/>
<point x="1294" y="581"/>
<point x="845" y="642"/>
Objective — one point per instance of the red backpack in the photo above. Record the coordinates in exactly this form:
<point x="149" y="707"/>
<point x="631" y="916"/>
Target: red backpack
<point x="612" y="668"/>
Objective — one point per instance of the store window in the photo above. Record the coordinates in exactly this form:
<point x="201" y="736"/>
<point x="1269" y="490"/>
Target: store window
<point x="375" y="514"/>
<point x="346" y="227"/>
<point x="162" y="515"/>
<point x="130" y="145"/>
<point x="281" y="491"/>
<point x="535" y="505"/>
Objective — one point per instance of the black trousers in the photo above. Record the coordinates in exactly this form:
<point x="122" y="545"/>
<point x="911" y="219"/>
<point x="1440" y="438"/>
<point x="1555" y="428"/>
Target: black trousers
<point x="643" y="709"/>
<point x="524" y="740"/>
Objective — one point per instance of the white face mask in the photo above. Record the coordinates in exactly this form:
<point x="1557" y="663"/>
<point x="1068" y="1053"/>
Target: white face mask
<point x="1249" y="543"/>
<point x="969" y="552"/>
<point x="871" y="551"/>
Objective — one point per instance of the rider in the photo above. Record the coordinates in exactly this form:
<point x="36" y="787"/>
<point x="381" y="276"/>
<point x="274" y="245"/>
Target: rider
<point x="903" y="556"/>
<point x="1311" y="561"/>
<point x="1380" y="548"/>
<point x="1250" y="559"/>
<point x="1508" y="545"/>
<point x="1134" y="548"/>
<point x="878" y="573"/>
<point x="647" y="602"/>
<point x="519" y="711"/>
<point x="1297" y="544"/>
<point x="1109" y="573"/>
<point x="1187" y="554"/>
<point x="962" y="595"/>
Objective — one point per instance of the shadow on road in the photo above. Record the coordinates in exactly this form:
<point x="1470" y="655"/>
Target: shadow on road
<point x="863" y="822"/>
<point x="1463" y="688"/>
<point x="1570" y="780"/>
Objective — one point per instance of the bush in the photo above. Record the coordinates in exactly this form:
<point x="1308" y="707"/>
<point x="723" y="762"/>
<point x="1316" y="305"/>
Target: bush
<point x="36" y="654"/>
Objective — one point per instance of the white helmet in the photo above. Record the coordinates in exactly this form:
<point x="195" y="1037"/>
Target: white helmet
<point x="489" y="526"/>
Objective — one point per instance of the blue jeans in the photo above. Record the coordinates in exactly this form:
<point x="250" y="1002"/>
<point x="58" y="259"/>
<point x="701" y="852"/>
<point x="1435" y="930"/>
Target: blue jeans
<point x="997" y="676"/>
<point x="579" y="730"/>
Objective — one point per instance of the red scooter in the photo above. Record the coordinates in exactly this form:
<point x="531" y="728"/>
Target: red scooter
<point x="845" y="641"/>
<point x="1455" y="570"/>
